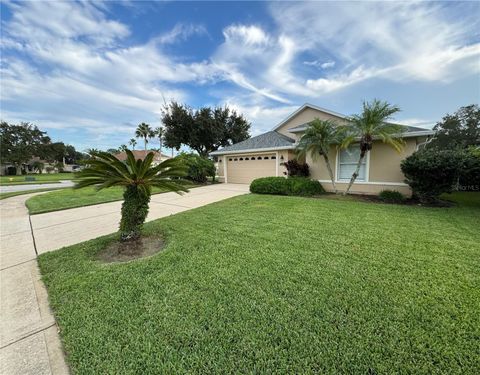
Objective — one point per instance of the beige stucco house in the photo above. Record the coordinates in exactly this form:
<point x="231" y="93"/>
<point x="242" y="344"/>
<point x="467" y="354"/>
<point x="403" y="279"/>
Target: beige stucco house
<point x="264" y="155"/>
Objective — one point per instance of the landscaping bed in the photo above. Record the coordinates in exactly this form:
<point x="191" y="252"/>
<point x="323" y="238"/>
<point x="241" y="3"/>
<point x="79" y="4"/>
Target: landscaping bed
<point x="272" y="284"/>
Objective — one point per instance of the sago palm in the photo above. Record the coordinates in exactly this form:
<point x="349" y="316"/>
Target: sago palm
<point x="137" y="177"/>
<point x="144" y="131"/>
<point x="317" y="140"/>
<point x="371" y="125"/>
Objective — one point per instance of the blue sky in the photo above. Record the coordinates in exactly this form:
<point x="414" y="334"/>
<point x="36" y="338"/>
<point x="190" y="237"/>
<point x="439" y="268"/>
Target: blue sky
<point x="89" y="72"/>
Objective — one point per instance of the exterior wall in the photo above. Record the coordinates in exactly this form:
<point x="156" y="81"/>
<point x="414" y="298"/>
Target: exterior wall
<point x="383" y="169"/>
<point x="368" y="189"/>
<point x="306" y="115"/>
<point x="385" y="161"/>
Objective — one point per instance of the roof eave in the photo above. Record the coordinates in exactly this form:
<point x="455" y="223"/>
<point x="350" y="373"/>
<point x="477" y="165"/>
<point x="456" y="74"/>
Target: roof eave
<point x="264" y="149"/>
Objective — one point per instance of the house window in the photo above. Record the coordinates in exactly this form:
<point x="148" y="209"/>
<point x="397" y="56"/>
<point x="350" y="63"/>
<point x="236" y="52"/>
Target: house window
<point x="230" y="159"/>
<point x="347" y="162"/>
<point x="265" y="158"/>
<point x="235" y="159"/>
<point x="247" y="159"/>
<point x="273" y="157"/>
<point x="241" y="158"/>
<point x="219" y="160"/>
<point x="253" y="157"/>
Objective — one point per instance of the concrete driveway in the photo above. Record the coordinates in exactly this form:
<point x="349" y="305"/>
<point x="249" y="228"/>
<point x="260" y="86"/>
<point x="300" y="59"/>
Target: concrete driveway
<point x="29" y="341"/>
<point x="63" y="228"/>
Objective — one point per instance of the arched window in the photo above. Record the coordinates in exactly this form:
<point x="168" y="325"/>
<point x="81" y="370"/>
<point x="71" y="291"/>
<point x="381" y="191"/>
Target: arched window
<point x="241" y="158"/>
<point x="235" y="159"/>
<point x="229" y="159"/>
<point x="253" y="158"/>
<point x="273" y="157"/>
<point x="247" y="158"/>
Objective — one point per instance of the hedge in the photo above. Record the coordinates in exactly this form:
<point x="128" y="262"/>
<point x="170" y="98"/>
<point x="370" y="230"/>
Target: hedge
<point x="300" y="186"/>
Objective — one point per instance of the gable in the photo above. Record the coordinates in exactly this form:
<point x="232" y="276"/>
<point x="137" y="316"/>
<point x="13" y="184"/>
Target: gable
<point x="304" y="115"/>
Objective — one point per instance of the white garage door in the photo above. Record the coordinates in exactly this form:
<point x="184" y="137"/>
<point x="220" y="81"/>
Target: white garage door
<point x="243" y="169"/>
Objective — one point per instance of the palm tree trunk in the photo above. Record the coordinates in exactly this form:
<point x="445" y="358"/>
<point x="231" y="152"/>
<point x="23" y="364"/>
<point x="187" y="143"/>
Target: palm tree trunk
<point x="330" y="172"/>
<point x="145" y="140"/>
<point x="134" y="213"/>
<point x="160" y="140"/>
<point x="355" y="174"/>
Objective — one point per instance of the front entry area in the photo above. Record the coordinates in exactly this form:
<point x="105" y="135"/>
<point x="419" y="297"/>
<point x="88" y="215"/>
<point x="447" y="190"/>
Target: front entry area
<point x="243" y="169"/>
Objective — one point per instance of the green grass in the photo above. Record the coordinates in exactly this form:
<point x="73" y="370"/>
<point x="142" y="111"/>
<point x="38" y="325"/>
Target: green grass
<point x="270" y="284"/>
<point x="71" y="198"/>
<point x="15" y="193"/>
<point x="44" y="178"/>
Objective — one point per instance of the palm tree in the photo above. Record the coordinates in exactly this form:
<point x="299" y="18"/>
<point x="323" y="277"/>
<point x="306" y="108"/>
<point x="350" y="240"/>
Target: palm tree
<point x="370" y="125"/>
<point x="317" y="141"/>
<point x="133" y="143"/>
<point x="137" y="177"/>
<point x="159" y="132"/>
<point x="144" y="131"/>
<point x="38" y="166"/>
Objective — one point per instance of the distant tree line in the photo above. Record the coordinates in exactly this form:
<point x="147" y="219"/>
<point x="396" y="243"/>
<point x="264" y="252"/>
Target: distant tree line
<point x="20" y="143"/>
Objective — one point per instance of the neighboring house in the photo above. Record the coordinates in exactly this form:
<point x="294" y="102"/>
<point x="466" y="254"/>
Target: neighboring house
<point x="10" y="169"/>
<point x="265" y="154"/>
<point x="141" y="154"/>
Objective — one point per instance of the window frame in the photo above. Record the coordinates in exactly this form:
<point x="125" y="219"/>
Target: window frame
<point x="366" y="163"/>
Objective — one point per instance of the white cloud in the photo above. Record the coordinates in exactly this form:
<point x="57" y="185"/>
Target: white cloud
<point x="87" y="79"/>
<point x="246" y="35"/>
<point x="320" y="64"/>
<point x="181" y="32"/>
<point x="391" y="40"/>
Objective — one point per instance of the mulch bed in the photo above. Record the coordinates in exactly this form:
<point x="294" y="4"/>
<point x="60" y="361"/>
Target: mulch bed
<point x="118" y="251"/>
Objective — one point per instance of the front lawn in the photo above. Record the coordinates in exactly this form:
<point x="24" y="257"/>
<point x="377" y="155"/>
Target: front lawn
<point x="44" y="178"/>
<point x="71" y="198"/>
<point x="23" y="192"/>
<point x="270" y="284"/>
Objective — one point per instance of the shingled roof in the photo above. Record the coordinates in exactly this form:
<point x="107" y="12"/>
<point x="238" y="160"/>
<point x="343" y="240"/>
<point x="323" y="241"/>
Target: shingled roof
<point x="409" y="129"/>
<point x="269" y="140"/>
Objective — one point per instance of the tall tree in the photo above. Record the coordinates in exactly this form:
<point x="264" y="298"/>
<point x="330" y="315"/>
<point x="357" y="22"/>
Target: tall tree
<point x="204" y="130"/>
<point x="460" y="130"/>
<point x="19" y="143"/>
<point x="317" y="141"/>
<point x="372" y="124"/>
<point x="144" y="131"/>
<point x="53" y="152"/>
<point x="137" y="177"/>
<point x="133" y="143"/>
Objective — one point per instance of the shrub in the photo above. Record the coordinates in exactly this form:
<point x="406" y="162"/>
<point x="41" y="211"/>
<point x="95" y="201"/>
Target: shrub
<point x="286" y="186"/>
<point x="431" y="172"/>
<point x="294" y="168"/>
<point x="199" y="168"/>
<point x="469" y="179"/>
<point x="391" y="196"/>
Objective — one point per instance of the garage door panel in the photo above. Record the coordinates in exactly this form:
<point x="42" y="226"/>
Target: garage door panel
<point x="245" y="171"/>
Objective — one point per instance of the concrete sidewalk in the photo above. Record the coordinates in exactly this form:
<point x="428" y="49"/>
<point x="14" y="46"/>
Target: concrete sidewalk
<point x="64" y="228"/>
<point x="29" y="341"/>
<point x="54" y="185"/>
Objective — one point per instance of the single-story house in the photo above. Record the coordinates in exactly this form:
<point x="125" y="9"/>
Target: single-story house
<point x="141" y="154"/>
<point x="264" y="155"/>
